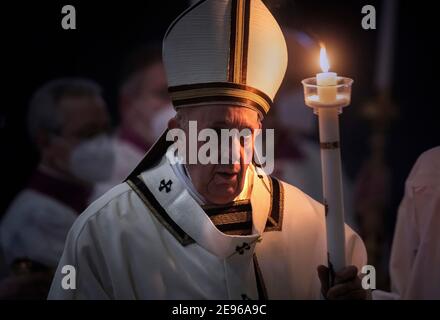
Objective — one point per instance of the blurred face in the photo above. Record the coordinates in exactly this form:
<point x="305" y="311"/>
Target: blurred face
<point x="146" y="101"/>
<point x="83" y="118"/>
<point x="221" y="183"/>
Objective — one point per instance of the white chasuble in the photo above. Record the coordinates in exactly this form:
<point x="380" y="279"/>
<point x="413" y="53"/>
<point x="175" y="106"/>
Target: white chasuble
<point x="149" y="239"/>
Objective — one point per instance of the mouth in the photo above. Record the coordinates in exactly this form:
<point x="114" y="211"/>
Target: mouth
<point x="226" y="177"/>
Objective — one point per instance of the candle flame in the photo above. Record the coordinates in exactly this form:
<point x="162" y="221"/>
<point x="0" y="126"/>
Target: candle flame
<point x="323" y="59"/>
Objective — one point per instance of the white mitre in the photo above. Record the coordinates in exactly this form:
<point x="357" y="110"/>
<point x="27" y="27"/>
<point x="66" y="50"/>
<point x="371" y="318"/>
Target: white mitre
<point x="225" y="52"/>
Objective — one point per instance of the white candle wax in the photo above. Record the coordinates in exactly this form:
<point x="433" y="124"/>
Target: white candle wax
<point x="326" y="82"/>
<point x="331" y="165"/>
<point x="332" y="185"/>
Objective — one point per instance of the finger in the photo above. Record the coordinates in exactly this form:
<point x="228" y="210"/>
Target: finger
<point x="323" y="274"/>
<point x="343" y="289"/>
<point x="346" y="274"/>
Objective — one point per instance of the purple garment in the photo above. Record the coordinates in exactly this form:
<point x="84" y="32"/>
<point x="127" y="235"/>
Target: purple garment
<point x="71" y="194"/>
<point x="134" y="139"/>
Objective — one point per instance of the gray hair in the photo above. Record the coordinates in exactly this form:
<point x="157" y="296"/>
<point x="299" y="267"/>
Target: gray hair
<point x="44" y="113"/>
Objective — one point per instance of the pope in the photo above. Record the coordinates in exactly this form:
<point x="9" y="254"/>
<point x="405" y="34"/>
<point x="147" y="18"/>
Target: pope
<point x="210" y="231"/>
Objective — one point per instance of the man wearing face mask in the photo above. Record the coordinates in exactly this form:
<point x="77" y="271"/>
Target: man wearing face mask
<point x="68" y="123"/>
<point x="144" y="107"/>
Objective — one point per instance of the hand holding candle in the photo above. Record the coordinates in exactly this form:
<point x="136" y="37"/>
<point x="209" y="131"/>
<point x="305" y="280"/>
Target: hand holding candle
<point x="327" y="94"/>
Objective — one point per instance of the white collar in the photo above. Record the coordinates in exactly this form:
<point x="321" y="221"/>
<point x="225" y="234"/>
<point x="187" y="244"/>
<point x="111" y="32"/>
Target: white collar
<point x="182" y="173"/>
<point x="184" y="210"/>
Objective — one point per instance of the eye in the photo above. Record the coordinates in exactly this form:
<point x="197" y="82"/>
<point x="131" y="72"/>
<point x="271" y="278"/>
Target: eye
<point x="247" y="132"/>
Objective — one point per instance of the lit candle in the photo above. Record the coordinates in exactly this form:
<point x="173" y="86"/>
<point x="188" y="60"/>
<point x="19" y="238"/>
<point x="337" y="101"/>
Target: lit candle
<point x="325" y="80"/>
<point x="327" y="94"/>
<point x="328" y="115"/>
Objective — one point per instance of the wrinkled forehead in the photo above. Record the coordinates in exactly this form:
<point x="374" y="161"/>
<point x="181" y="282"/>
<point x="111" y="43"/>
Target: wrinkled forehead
<point x="223" y="116"/>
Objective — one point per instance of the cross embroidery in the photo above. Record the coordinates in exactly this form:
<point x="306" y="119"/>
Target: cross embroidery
<point x="240" y="249"/>
<point x="167" y="185"/>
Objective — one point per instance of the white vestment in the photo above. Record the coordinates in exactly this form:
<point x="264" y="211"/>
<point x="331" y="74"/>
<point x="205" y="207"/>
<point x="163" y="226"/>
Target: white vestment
<point x="35" y="227"/>
<point x="415" y="255"/>
<point x="164" y="246"/>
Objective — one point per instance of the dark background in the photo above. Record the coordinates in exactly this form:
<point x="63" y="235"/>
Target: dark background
<point x="36" y="49"/>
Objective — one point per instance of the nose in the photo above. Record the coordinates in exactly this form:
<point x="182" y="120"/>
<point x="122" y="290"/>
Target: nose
<point x="231" y="153"/>
<point x="235" y="152"/>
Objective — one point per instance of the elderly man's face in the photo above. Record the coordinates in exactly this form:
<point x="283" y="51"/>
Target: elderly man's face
<point x="221" y="183"/>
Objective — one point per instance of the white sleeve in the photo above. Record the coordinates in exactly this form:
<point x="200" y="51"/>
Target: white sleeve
<point x="404" y="247"/>
<point x="35" y="227"/>
<point x="81" y="252"/>
<point x="355" y="254"/>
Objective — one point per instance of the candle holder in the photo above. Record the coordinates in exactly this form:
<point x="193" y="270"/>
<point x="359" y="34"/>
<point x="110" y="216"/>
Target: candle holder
<point x="343" y="94"/>
<point x="327" y="102"/>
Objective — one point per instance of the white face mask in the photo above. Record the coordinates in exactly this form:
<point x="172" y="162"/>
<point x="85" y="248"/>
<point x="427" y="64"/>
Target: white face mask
<point x="92" y="160"/>
<point x="159" y="120"/>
